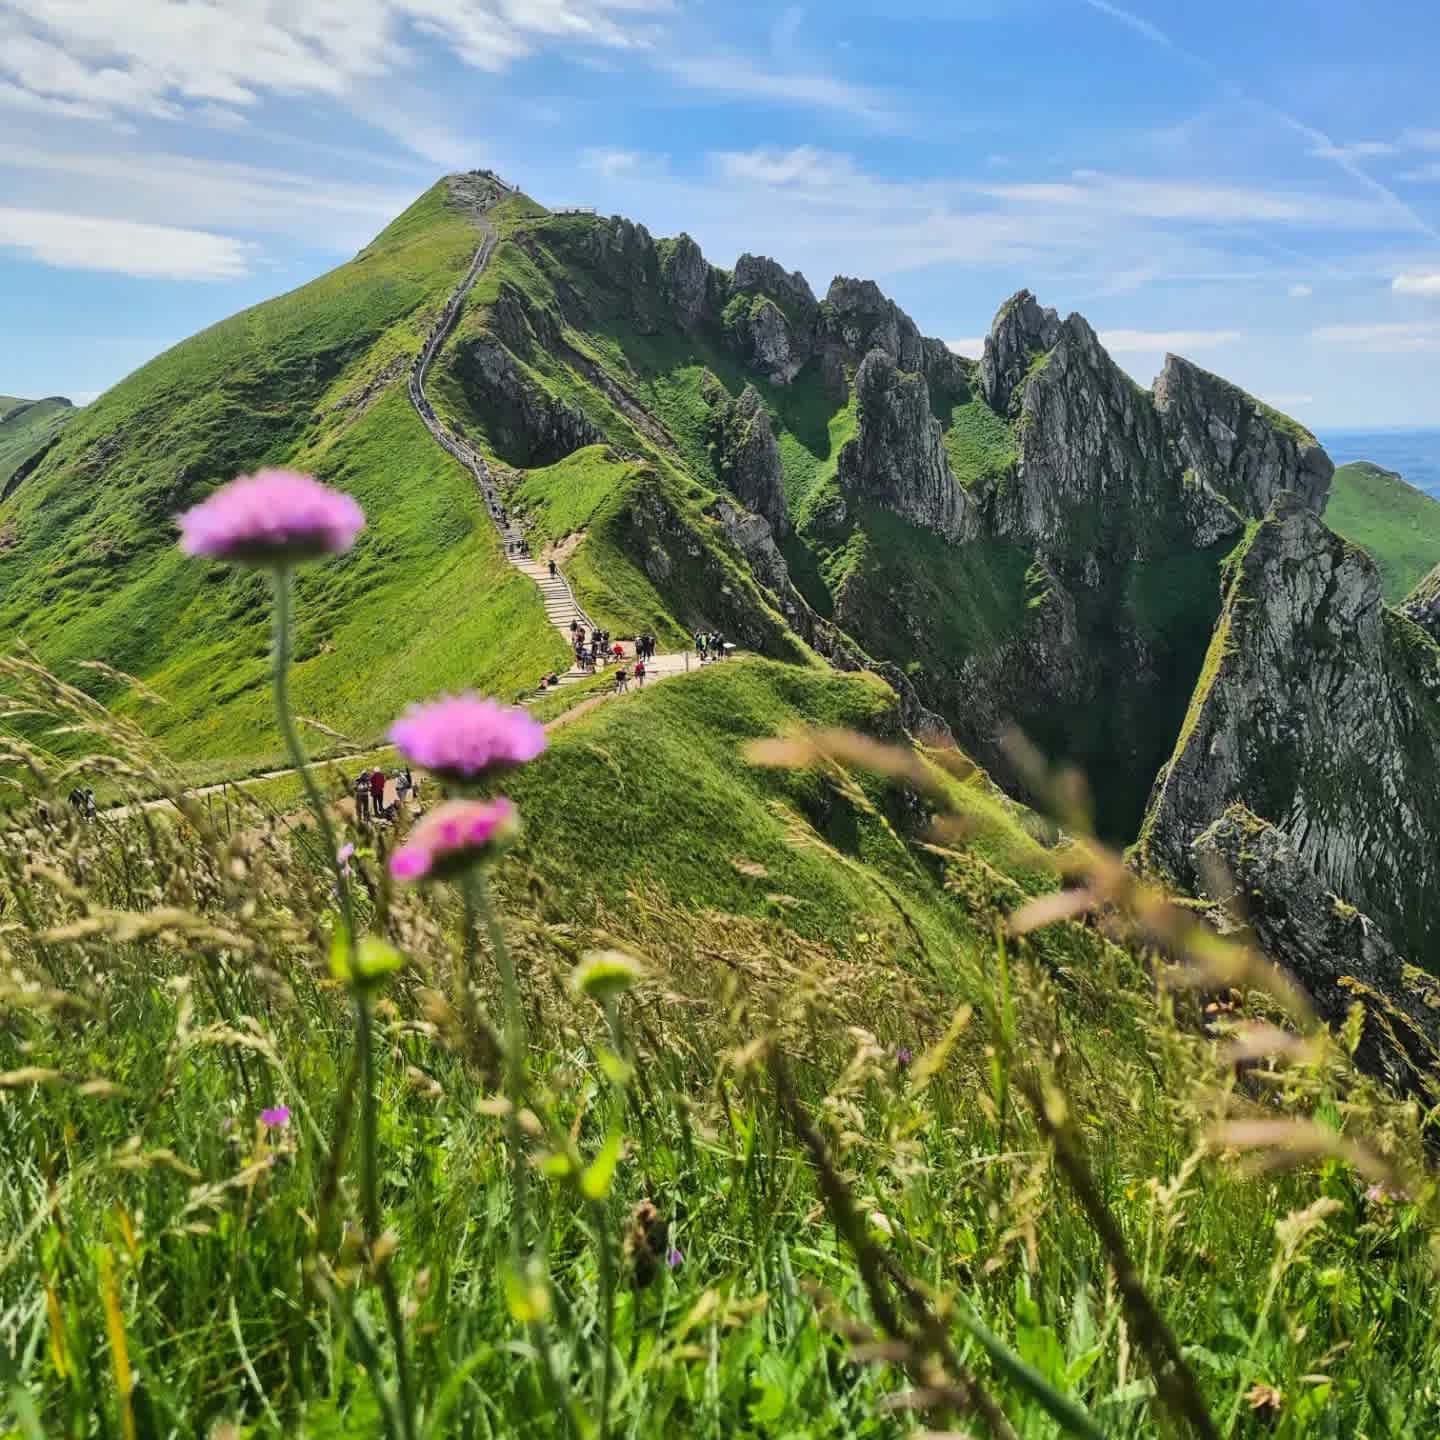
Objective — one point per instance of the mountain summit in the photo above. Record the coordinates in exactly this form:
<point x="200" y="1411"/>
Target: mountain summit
<point x="1140" y="580"/>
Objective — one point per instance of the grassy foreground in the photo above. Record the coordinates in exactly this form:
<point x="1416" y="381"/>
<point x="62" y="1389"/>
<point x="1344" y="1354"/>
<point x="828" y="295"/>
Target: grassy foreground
<point x="849" y="1159"/>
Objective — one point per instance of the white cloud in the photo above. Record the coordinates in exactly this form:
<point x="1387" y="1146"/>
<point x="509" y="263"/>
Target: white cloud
<point x="1421" y="139"/>
<point x="130" y="185"/>
<point x="158" y="57"/>
<point x="971" y="346"/>
<point x="616" y="164"/>
<point x="1300" y="292"/>
<point x="737" y="75"/>
<point x="804" y="166"/>
<point x="1200" y="203"/>
<point x="1417" y="283"/>
<point x="1134" y="22"/>
<point x="83" y="242"/>
<point x="1177" y="341"/>
<point x="1288" y="401"/>
<point x="1389" y="338"/>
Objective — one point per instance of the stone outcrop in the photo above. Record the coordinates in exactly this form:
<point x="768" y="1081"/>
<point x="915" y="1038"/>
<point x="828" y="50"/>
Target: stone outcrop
<point x="861" y="318"/>
<point x="685" y="278"/>
<point x="747" y="457"/>
<point x="1422" y="604"/>
<point x="1233" y="445"/>
<point x="759" y="275"/>
<point x="528" y="425"/>
<point x="897" y="458"/>
<point x="1021" y="330"/>
<point x="1319" y="711"/>
<point x="1338" y="954"/>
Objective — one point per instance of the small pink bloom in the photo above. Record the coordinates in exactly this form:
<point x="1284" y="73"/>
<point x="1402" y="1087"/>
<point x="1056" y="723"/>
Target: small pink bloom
<point x="450" y="839"/>
<point x="275" y="1119"/>
<point x="343" y="854"/>
<point x="276" y="517"/>
<point x="459" y="737"/>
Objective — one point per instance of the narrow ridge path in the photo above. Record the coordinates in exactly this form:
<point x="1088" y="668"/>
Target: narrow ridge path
<point x="561" y="607"/>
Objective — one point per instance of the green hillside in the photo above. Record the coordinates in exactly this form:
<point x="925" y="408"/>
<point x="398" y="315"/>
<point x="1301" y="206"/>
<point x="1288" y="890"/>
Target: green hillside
<point x="27" y="426"/>
<point x="1384" y="514"/>
<point x="314" y="379"/>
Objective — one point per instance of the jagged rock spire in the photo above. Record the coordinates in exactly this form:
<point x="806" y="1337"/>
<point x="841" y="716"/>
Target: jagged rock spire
<point x="1021" y="329"/>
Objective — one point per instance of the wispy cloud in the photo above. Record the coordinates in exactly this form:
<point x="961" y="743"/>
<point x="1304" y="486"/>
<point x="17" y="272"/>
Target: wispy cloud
<point x="1287" y="400"/>
<point x="1300" y="292"/>
<point x="1390" y="338"/>
<point x="1415" y="282"/>
<point x="1139" y="342"/>
<point x="741" y="77"/>
<point x="971" y="346"/>
<point x="1135" y="22"/>
<point x="83" y="242"/>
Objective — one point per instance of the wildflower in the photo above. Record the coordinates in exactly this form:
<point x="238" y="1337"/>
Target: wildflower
<point x="459" y="834"/>
<point x="674" y="1258"/>
<point x="343" y="857"/>
<point x="275" y="518"/>
<point x="276" y="1118"/>
<point x="903" y="1056"/>
<point x="460" y="737"/>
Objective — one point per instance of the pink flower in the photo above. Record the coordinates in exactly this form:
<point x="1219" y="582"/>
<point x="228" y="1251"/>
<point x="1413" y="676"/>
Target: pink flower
<point x="275" y="1119"/>
<point x="459" y="737"/>
<point x="276" y="517"/>
<point x="450" y="839"/>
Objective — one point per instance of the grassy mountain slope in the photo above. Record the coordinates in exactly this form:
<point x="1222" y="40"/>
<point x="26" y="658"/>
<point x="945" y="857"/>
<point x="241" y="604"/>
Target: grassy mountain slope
<point x="27" y="426"/>
<point x="313" y="379"/>
<point x="1388" y="517"/>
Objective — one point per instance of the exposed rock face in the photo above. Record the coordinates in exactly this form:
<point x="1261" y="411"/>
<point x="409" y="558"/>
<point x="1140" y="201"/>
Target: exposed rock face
<point x="685" y="276"/>
<point x="1338" y="954"/>
<point x="747" y="456"/>
<point x="765" y="337"/>
<point x="1234" y="445"/>
<point x="1422" y="604"/>
<point x="898" y="455"/>
<point x="759" y="275"/>
<point x="1089" y="440"/>
<point x="1021" y="330"/>
<point x="863" y="319"/>
<point x="529" y="426"/>
<point x="1317" y="710"/>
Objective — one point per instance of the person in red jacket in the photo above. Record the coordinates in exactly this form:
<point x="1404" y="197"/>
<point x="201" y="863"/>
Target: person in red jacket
<point x="377" y="792"/>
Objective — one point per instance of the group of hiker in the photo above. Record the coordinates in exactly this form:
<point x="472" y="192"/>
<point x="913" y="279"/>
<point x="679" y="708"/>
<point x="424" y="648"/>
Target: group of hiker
<point x="369" y="791"/>
<point x="711" y="645"/>
<point x="593" y="647"/>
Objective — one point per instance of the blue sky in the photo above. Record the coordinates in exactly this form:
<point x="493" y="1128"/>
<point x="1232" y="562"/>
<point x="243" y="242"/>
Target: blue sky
<point x="1255" y="185"/>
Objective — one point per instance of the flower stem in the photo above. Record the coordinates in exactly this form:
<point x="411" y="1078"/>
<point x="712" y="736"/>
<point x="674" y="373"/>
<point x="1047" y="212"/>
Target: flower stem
<point x="370" y="1188"/>
<point x="514" y="1053"/>
<point x="284" y="578"/>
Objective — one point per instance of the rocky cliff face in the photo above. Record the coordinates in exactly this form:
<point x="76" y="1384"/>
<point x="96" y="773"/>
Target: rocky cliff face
<point x="747" y="457"/>
<point x="1338" y="954"/>
<point x="1422" y="604"/>
<point x="1319" y="711"/>
<point x="1022" y="330"/>
<point x="1235" y="447"/>
<point x="898" y="456"/>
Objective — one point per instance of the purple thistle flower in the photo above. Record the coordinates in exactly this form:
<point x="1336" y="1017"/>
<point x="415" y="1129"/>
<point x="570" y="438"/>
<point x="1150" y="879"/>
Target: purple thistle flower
<point x="459" y="834"/>
<point x="273" y="518"/>
<point x="674" y="1258"/>
<point x="903" y="1056"/>
<point x="276" y="1118"/>
<point x="459" y="737"/>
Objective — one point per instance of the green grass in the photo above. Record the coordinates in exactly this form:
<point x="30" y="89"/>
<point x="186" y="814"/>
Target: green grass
<point x="169" y="1266"/>
<point x="25" y="427"/>
<point x="424" y="602"/>
<point x="1396" y="524"/>
<point x="979" y="443"/>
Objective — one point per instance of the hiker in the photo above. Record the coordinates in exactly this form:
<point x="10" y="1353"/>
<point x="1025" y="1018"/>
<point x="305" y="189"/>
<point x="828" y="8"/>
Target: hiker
<point x="552" y="570"/>
<point x="377" y="793"/>
<point x="640" y="673"/>
<point x="403" y="785"/>
<point x="362" y="798"/>
<point x="622" y="680"/>
<point x="574" y="630"/>
<point x="618" y="650"/>
<point x="700" y="645"/>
